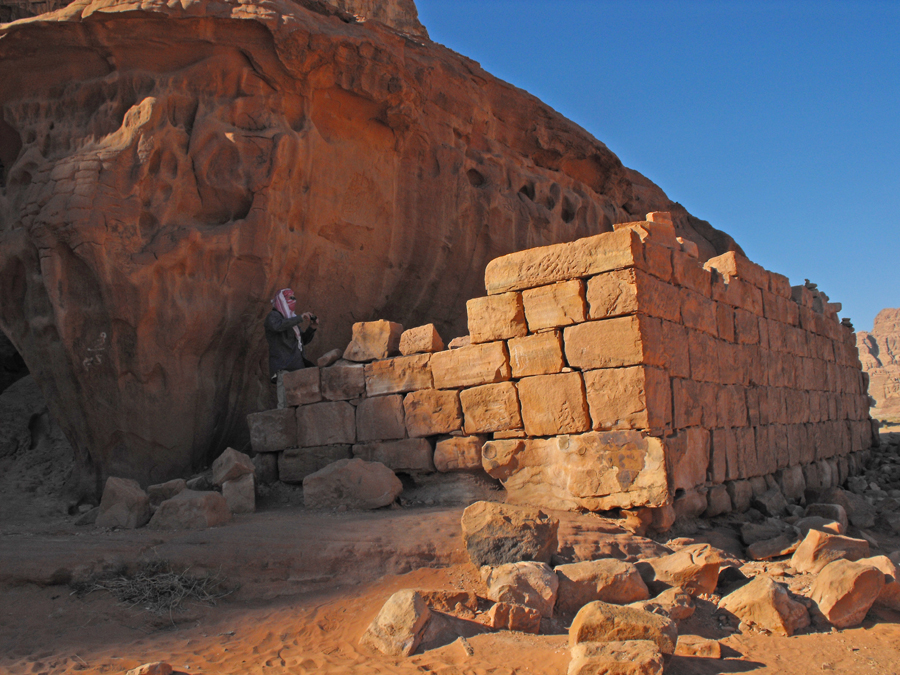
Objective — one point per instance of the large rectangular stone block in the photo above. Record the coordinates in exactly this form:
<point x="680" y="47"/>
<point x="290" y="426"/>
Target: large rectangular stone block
<point x="470" y="366"/>
<point x="725" y="322"/>
<point x="496" y="317"/>
<point x="343" y="383"/>
<point x="637" y="397"/>
<point x="717" y="471"/>
<point x="273" y="430"/>
<point x="704" y="355"/>
<point x="733" y="264"/>
<point x="611" y="343"/>
<point x="554" y="306"/>
<point x="738" y="293"/>
<point x="398" y="375"/>
<point x="302" y="386"/>
<point x="491" y="407"/>
<point x="554" y="404"/>
<point x="562" y="262"/>
<point x="380" y="418"/>
<point x="732" y="406"/>
<point x="658" y="261"/>
<point x="746" y="327"/>
<point x="688" y="272"/>
<point x="687" y="453"/>
<point x="699" y="312"/>
<point x="687" y="403"/>
<point x="326" y="423"/>
<point x="595" y="471"/>
<point x="461" y="453"/>
<point x="413" y="455"/>
<point x="432" y="411"/>
<point x="373" y="340"/>
<point x="630" y="291"/>
<point x="295" y="464"/>
<point x="539" y="354"/>
<point x="421" y="340"/>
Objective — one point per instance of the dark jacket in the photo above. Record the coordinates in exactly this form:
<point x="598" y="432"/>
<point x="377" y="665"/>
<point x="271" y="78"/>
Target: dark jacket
<point x="284" y="352"/>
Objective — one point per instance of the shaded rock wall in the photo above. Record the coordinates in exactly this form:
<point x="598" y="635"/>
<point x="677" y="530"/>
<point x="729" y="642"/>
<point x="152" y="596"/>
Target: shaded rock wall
<point x="165" y="169"/>
<point x="879" y="352"/>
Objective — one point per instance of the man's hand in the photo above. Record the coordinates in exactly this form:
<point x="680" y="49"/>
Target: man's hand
<point x="311" y="318"/>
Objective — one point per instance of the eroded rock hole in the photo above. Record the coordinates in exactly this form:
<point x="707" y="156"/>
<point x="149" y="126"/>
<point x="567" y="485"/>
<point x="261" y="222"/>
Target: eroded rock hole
<point x="527" y="190"/>
<point x="475" y="178"/>
<point x="568" y="210"/>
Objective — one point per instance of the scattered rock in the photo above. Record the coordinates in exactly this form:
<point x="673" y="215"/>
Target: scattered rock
<point x="784" y="544"/>
<point x="770" y="503"/>
<point x="694" y="569"/>
<point x="807" y="523"/>
<point x="694" y="645"/>
<point x="230" y="465"/>
<point x="124" y="504"/>
<point x="754" y="532"/>
<point x="496" y="534"/>
<point x="509" y="616"/>
<point x="352" y="483"/>
<point x="602" y="622"/>
<point x="765" y="604"/>
<point x="718" y="502"/>
<point x="156" y="668"/>
<point x="399" y="626"/>
<point x="819" y="548"/>
<point x="160" y="493"/>
<point x="613" y="581"/>
<point x="673" y="603"/>
<point x="88" y="517"/>
<point x="833" y="512"/>
<point x="859" y="512"/>
<point x="844" y="591"/>
<point x="625" y="657"/>
<point x="329" y="358"/>
<point x="532" y="584"/>
<point x="240" y="494"/>
<point x="191" y="510"/>
<point x="459" y="342"/>
<point x="890" y="594"/>
<point x="200" y="483"/>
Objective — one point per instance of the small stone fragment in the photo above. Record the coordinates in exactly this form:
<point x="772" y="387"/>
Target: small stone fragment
<point x="619" y="657"/>
<point x="421" y="340"/>
<point x="328" y="358"/>
<point x="398" y="628"/>
<point x="694" y="645"/>
<point x="673" y="603"/>
<point x="507" y="616"/>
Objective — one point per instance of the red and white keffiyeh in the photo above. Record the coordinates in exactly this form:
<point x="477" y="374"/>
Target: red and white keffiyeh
<point x="280" y="302"/>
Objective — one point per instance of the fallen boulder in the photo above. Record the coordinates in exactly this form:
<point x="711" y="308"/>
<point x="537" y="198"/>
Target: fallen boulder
<point x="673" y="603"/>
<point x="819" y="548"/>
<point x="693" y="568"/>
<point x="764" y="604"/>
<point x="531" y="584"/>
<point x="399" y="625"/>
<point x="160" y="493"/>
<point x="694" y="645"/>
<point x="231" y="465"/>
<point x="496" y="534"/>
<point x="625" y="657"/>
<point x="191" y="510"/>
<point x="602" y="622"/>
<point x="834" y="512"/>
<point x="859" y="512"/>
<point x="845" y="590"/>
<point x="890" y="594"/>
<point x="610" y="580"/>
<point x="353" y="483"/>
<point x="510" y="616"/>
<point x="240" y="493"/>
<point x="124" y="504"/>
<point x="826" y="525"/>
<point x="784" y="544"/>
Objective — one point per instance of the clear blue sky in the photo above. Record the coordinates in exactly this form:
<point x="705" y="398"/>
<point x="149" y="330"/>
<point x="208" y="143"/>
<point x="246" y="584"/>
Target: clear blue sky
<point x="778" y="122"/>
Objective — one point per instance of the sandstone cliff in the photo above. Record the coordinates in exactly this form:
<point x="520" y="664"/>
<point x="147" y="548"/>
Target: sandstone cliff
<point x="879" y="352"/>
<point x="166" y="167"/>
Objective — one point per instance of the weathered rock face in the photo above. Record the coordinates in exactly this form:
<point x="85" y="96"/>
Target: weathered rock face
<point x="399" y="14"/>
<point x="156" y="192"/>
<point x="879" y="352"/>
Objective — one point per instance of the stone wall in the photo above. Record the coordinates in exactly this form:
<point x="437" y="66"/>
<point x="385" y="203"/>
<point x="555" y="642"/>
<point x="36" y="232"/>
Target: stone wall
<point x="615" y="371"/>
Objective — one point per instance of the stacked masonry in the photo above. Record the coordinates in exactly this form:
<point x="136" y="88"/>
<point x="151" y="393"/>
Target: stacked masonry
<point x="613" y="371"/>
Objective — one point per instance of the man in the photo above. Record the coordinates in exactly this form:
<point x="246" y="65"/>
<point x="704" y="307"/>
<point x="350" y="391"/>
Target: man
<point x="286" y="334"/>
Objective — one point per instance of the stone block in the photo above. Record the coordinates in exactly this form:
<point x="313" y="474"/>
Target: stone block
<point x="746" y="327"/>
<point x="630" y="291"/>
<point x="123" y="504"/>
<point x="374" y="340"/>
<point x="609" y="580"/>
<point x="421" y="340"/>
<point x="163" y="491"/>
<point x="637" y="397"/>
<point x="616" y="657"/>
<point x="611" y="343"/>
<point x="539" y="354"/>
<point x="718" y="502"/>
<point x="554" y="404"/>
<point x="506" y="616"/>
<point x="460" y="453"/>
<point x="688" y="272"/>
<point x="732" y="406"/>
<point x="738" y="293"/>
<point x="491" y="407"/>
<point x="191" y="510"/>
<point x="845" y="591"/>
<point x="596" y="471"/>
<point x="302" y="386"/>
<point x="273" y="430"/>
<point x="717" y="470"/>
<point x="687" y="403"/>
<point x="380" y="419"/>
<point x="687" y="452"/>
<point x="725" y="322"/>
<point x="741" y="494"/>
<point x="240" y="494"/>
<point x="497" y="534"/>
<point x="554" y="306"/>
<point x="658" y="261"/>
<point x="528" y="583"/>
<point x="704" y="356"/>
<point x="561" y="262"/>
<point x="231" y="465"/>
<point x="818" y="549"/>
<point x="411" y="455"/>
<point x="496" y="317"/>
<point x="330" y="357"/>
<point x="343" y="383"/>
<point x="326" y="423"/>
<point x="600" y="622"/>
<point x="432" y="411"/>
<point x="295" y="464"/>
<point x="673" y="355"/>
<point x="351" y="483"/>
<point x="767" y="605"/>
<point x="699" y="312"/>
<point x="398" y="375"/>
<point x="400" y="625"/>
<point x="733" y="264"/>
<point x="470" y="366"/>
